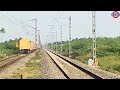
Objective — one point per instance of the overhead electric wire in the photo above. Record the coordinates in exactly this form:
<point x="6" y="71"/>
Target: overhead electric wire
<point x="13" y="22"/>
<point x="9" y="20"/>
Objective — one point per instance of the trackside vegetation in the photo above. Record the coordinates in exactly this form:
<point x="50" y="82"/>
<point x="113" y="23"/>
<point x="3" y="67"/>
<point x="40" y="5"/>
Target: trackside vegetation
<point x="31" y="69"/>
<point x="108" y="51"/>
<point x="8" y="48"/>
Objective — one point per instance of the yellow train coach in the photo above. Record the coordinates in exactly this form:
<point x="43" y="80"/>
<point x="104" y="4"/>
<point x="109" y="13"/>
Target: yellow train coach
<point x="25" y="45"/>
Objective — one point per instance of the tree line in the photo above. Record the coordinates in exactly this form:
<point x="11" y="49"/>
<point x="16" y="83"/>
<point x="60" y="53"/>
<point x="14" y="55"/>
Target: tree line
<point x="104" y="46"/>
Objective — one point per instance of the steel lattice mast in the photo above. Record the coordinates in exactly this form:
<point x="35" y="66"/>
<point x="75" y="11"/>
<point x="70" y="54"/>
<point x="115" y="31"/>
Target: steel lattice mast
<point x="69" y="36"/>
<point x="94" y="35"/>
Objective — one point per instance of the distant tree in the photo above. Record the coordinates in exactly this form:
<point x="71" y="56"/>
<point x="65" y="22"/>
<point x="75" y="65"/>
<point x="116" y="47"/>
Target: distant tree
<point x="10" y="40"/>
<point x="16" y="39"/>
<point x="2" y="31"/>
<point x="19" y="38"/>
<point x="76" y="39"/>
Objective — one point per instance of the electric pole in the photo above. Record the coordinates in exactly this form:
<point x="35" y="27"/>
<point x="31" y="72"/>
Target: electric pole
<point x="94" y="35"/>
<point x="39" y="41"/>
<point x="69" y="33"/>
<point x="56" y="41"/>
<point x="69" y="36"/>
<point x="35" y="30"/>
<point x="61" y="40"/>
<point x="53" y="39"/>
<point x="56" y="36"/>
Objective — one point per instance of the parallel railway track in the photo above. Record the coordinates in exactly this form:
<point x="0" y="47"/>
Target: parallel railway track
<point x="73" y="70"/>
<point x="7" y="61"/>
<point x="4" y="62"/>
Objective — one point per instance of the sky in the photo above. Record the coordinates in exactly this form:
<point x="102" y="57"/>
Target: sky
<point x="16" y="24"/>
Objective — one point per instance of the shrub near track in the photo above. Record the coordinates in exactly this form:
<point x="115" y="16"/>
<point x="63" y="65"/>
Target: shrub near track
<point x="8" y="48"/>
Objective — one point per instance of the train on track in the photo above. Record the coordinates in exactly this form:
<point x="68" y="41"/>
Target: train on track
<point x="25" y="46"/>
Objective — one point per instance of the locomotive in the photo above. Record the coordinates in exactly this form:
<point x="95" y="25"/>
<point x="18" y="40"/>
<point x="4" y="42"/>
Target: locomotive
<point x="25" y="45"/>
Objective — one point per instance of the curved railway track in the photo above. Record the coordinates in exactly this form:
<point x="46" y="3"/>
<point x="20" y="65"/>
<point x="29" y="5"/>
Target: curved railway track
<point x="73" y="70"/>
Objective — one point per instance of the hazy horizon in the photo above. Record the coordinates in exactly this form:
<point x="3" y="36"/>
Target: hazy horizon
<point x="81" y="24"/>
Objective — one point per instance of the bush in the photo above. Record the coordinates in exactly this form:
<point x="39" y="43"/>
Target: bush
<point x="8" y="48"/>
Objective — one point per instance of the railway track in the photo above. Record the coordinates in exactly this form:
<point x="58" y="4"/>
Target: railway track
<point x="73" y="70"/>
<point x="4" y="62"/>
<point x="7" y="61"/>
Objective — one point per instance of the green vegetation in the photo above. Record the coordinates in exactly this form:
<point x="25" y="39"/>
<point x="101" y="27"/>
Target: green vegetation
<point x="108" y="51"/>
<point x="110" y="63"/>
<point x="8" y="48"/>
<point x="2" y="30"/>
<point x="31" y="70"/>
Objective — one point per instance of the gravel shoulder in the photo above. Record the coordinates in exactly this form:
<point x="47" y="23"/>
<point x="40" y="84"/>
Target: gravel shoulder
<point x="49" y="70"/>
<point x="33" y="68"/>
<point x="7" y="72"/>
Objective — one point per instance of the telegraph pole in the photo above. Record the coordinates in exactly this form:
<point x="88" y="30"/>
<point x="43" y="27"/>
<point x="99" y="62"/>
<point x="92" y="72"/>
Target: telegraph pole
<point x="69" y="36"/>
<point x="94" y="35"/>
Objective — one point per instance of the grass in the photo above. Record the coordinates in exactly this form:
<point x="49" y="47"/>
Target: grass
<point x="4" y="52"/>
<point x="32" y="69"/>
<point x="108" y="63"/>
<point x="84" y="58"/>
<point x="7" y="52"/>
